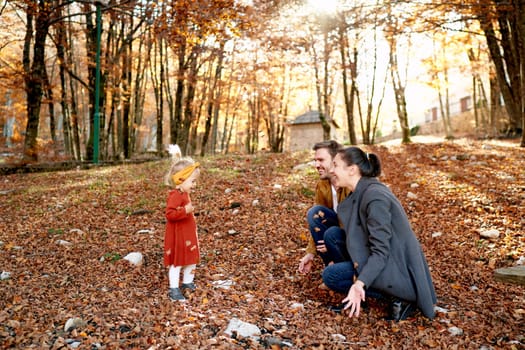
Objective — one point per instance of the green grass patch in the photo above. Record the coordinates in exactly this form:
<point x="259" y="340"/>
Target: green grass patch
<point x="227" y="174"/>
<point x="55" y="231"/>
<point x="112" y="257"/>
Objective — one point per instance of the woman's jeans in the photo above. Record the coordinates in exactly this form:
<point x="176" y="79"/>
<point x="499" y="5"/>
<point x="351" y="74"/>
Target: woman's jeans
<point x="321" y="221"/>
<point x="339" y="272"/>
<point x="339" y="277"/>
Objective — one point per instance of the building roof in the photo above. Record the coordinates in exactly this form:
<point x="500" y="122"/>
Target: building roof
<point x="310" y="117"/>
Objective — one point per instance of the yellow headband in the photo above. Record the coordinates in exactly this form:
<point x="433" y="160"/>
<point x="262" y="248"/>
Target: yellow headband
<point x="181" y="175"/>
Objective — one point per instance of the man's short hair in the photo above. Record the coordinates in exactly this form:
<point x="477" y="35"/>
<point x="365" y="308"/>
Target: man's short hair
<point x="331" y="146"/>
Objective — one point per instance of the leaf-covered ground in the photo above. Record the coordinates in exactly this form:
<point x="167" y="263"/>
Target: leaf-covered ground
<point x="252" y="231"/>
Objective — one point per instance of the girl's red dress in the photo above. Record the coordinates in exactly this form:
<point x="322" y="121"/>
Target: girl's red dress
<point x="181" y="246"/>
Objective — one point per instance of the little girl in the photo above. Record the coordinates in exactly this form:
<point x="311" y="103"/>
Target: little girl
<point x="181" y="246"/>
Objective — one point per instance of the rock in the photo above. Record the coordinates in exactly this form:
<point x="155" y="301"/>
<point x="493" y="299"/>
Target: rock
<point x="64" y="243"/>
<point x="73" y="343"/>
<point x="77" y="230"/>
<point x="414" y="185"/>
<point x="297" y="306"/>
<point x="411" y="195"/>
<point x="224" y="284"/>
<point x="135" y="258"/>
<point x="145" y="231"/>
<point x="455" y="331"/>
<point x="276" y="343"/>
<point x="73" y="323"/>
<point x="249" y="298"/>
<point x="338" y="337"/>
<point x="255" y="202"/>
<point x="440" y="309"/>
<point x="489" y="233"/>
<point x="521" y="261"/>
<point x="243" y="329"/>
<point x="5" y="275"/>
<point x="513" y="274"/>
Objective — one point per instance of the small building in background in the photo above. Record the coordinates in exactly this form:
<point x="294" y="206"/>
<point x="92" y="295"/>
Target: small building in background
<point x="306" y="130"/>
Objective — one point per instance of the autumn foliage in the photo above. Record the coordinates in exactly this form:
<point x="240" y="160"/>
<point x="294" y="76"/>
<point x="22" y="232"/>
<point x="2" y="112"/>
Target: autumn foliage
<point x="252" y="231"/>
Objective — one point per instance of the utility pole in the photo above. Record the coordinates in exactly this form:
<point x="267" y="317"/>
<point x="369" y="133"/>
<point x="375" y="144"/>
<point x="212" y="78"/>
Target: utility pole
<point x="96" y="123"/>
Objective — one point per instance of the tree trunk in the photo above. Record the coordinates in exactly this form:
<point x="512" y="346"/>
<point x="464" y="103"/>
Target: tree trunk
<point x="348" y="92"/>
<point x="61" y="42"/>
<point x="327" y="116"/>
<point x="475" y="104"/>
<point x="226" y="131"/>
<point x="91" y="47"/>
<point x="194" y="140"/>
<point x="48" y="93"/>
<point x="126" y="101"/>
<point x="139" y="96"/>
<point x="321" y="86"/>
<point x="495" y="105"/>
<point x="176" y="119"/>
<point x="366" y="126"/>
<point x="520" y="14"/>
<point x="35" y="73"/>
<point x="217" y="97"/>
<point x="213" y="104"/>
<point x="504" y="59"/>
<point x="398" y="87"/>
<point x="75" y="131"/>
<point x="155" y="55"/>
<point x="189" y="109"/>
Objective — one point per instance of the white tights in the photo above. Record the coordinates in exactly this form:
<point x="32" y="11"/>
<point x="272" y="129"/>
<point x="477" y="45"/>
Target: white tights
<point x="188" y="273"/>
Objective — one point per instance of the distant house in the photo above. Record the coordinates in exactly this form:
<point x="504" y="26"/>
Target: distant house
<point x="306" y="129"/>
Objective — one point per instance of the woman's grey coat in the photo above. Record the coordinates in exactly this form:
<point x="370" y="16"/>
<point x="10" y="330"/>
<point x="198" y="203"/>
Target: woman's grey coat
<point x="383" y="247"/>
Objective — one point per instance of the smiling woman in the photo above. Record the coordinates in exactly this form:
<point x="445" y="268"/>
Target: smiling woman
<point x="326" y="6"/>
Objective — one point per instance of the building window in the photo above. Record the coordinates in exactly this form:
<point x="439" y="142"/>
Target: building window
<point x="434" y="113"/>
<point x="465" y="103"/>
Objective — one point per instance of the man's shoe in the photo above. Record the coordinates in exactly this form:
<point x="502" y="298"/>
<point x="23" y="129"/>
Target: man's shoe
<point x="401" y="310"/>
<point x="339" y="308"/>
<point x="176" y="295"/>
<point x="190" y="286"/>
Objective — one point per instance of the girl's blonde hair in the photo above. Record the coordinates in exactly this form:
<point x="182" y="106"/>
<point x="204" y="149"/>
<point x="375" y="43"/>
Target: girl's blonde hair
<point x="178" y="162"/>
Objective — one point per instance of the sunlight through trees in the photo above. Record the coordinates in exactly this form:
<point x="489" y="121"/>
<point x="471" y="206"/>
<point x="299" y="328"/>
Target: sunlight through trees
<point x="229" y="76"/>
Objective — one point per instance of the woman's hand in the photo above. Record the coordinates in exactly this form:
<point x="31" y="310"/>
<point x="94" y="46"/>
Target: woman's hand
<point x="356" y="294"/>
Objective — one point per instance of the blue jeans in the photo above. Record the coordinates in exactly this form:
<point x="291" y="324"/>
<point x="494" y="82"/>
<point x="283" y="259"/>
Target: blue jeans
<point x="321" y="221"/>
<point x="339" y="277"/>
